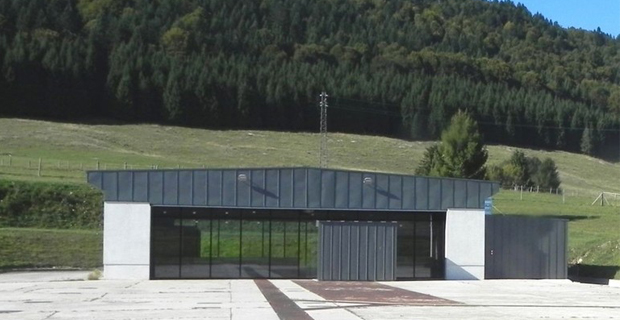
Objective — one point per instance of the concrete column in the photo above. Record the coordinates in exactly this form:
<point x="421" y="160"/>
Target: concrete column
<point x="126" y="240"/>
<point x="464" y="244"/>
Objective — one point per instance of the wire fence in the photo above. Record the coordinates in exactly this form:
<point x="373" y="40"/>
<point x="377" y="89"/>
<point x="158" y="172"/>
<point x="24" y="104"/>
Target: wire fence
<point x="72" y="170"/>
<point x="529" y="196"/>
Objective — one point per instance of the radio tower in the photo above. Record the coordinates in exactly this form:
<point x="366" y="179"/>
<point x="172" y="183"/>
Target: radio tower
<point x="323" y="157"/>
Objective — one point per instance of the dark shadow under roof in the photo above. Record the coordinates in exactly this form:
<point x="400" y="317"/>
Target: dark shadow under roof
<point x="291" y="188"/>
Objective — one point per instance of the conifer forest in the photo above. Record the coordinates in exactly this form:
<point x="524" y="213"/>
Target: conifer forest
<point x="396" y="68"/>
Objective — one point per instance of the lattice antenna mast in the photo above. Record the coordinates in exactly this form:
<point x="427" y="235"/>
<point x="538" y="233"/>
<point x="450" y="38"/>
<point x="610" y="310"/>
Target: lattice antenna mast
<point x="323" y="155"/>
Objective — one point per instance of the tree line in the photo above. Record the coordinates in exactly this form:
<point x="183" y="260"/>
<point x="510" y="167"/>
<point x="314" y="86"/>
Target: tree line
<point x="399" y="68"/>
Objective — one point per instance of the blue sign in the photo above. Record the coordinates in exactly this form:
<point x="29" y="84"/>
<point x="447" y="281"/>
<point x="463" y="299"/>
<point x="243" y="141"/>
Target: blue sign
<point x="488" y="206"/>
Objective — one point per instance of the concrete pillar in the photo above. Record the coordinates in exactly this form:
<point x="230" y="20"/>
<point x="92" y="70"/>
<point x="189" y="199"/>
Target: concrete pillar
<point x="126" y="240"/>
<point x="465" y="244"/>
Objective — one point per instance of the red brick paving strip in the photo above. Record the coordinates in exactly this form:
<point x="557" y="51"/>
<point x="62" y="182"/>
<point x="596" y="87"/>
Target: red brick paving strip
<point x="370" y="292"/>
<point x="284" y="307"/>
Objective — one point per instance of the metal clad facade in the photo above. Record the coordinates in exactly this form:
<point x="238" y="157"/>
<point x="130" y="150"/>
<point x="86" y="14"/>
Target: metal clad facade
<point x="357" y="251"/>
<point x="525" y="248"/>
<point x="290" y="188"/>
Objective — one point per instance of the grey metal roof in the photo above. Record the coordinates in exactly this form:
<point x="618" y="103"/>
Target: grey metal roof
<point x="291" y="188"/>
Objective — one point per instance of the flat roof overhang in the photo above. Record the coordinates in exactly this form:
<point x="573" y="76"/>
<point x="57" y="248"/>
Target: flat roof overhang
<point x="291" y="188"/>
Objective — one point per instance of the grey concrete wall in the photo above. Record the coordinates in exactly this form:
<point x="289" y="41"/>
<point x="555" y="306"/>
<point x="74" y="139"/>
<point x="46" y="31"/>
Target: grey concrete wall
<point x="465" y="241"/>
<point x="126" y="240"/>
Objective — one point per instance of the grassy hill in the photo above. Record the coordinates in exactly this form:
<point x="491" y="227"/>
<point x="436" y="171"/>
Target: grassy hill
<point x="67" y="149"/>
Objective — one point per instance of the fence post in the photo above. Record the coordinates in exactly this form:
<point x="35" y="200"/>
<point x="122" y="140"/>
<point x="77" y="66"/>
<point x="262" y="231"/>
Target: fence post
<point x="39" y="171"/>
<point x="125" y="165"/>
<point x="97" y="164"/>
<point x="563" y="196"/>
<point x="521" y="193"/>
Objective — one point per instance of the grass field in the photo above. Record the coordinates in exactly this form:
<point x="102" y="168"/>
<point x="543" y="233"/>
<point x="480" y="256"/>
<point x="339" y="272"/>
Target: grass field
<point x="42" y="248"/>
<point x="67" y="149"/>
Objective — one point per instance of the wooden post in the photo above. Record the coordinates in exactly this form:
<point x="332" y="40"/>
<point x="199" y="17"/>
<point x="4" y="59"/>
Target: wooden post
<point x="97" y="164"/>
<point x="125" y="165"/>
<point x="521" y="193"/>
<point x="39" y="171"/>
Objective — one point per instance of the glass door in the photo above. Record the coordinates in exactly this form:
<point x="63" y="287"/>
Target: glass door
<point x="195" y="244"/>
<point x="255" y="248"/>
<point x="165" y="243"/>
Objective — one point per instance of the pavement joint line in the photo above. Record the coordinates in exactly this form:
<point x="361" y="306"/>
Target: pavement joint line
<point x="97" y="298"/>
<point x="132" y="285"/>
<point x="50" y="315"/>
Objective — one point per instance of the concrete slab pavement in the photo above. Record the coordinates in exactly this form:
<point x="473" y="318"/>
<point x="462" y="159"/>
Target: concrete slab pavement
<point x="208" y="299"/>
<point x="24" y="297"/>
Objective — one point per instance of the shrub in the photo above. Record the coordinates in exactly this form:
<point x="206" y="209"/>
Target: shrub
<point x="49" y="205"/>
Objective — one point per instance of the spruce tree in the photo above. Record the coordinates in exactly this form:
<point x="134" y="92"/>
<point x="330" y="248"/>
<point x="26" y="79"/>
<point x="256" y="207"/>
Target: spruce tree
<point x="461" y="153"/>
<point x="587" y="141"/>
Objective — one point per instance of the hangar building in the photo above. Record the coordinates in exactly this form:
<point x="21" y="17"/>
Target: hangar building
<point x="306" y="223"/>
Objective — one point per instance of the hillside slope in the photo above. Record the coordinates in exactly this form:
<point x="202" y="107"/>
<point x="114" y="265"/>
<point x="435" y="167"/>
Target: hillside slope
<point x="66" y="149"/>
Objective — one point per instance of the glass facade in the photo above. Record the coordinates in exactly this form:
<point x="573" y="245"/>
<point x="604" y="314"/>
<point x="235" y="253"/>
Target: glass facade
<point x="201" y="243"/>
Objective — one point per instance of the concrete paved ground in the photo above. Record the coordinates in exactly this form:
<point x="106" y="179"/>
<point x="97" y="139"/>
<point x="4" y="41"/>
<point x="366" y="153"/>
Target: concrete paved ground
<point x="59" y="295"/>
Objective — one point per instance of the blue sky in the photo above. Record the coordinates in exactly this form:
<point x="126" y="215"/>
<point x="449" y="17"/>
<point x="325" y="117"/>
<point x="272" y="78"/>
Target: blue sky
<point x="584" y="14"/>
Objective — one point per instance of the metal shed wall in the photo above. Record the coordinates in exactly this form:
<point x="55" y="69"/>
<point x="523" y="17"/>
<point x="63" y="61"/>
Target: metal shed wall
<point x="525" y="248"/>
<point x="289" y="188"/>
<point x="354" y="251"/>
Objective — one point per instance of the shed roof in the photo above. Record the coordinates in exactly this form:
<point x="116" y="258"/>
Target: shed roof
<point x="291" y="188"/>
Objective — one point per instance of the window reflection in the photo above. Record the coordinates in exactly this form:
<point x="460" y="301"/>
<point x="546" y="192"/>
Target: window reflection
<point x="200" y="243"/>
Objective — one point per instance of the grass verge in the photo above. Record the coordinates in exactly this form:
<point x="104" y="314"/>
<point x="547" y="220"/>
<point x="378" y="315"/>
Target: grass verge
<point x="22" y="248"/>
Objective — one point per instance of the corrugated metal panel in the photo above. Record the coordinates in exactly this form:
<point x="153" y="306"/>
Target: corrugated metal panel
<point x="357" y="251"/>
<point x="140" y="189"/>
<point x="291" y="188"/>
<point x="125" y="186"/>
<point x="525" y="248"/>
